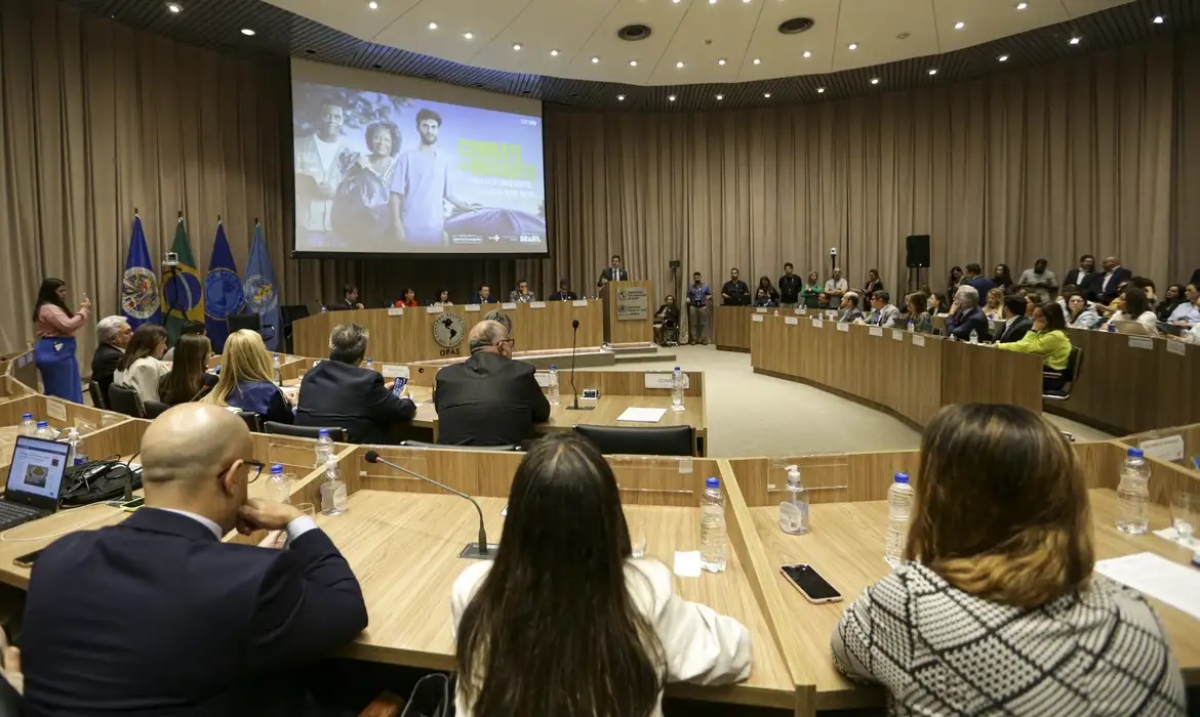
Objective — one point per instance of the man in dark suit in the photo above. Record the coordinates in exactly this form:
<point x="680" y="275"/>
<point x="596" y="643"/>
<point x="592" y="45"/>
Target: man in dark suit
<point x="1105" y="287"/>
<point x="485" y="296"/>
<point x="1082" y="275"/>
<point x="969" y="316"/>
<point x="489" y="400"/>
<point x="613" y="272"/>
<point x="564" y="292"/>
<point x="339" y="393"/>
<point x="349" y="300"/>
<point x="1016" y="323"/>
<point x="157" y="616"/>
<point x="113" y="333"/>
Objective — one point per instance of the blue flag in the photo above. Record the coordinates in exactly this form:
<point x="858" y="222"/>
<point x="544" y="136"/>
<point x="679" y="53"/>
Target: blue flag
<point x="222" y="291"/>
<point x="139" y="283"/>
<point x="262" y="295"/>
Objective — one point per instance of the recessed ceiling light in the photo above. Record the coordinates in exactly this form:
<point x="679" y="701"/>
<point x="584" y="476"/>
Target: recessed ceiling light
<point x="1159" y="19"/>
<point x="933" y="70"/>
<point x="679" y="65"/>
<point x="432" y="25"/>
<point x="1022" y="5"/>
<point x="373" y="5"/>
<point x="675" y="1"/>
<point x="671" y="97"/>
<point x="757" y="61"/>
<point x="1003" y="58"/>
<point x="620" y="98"/>
<point x="807" y="54"/>
<point x="1075" y="40"/>
<point x="820" y="90"/>
<point x="468" y="36"/>
<point x="517" y="46"/>
<point x="248" y="32"/>
<point x="852" y="46"/>
<point x="767" y="95"/>
<point x="874" y="80"/>
<point x="712" y="2"/>
<point x="721" y="62"/>
<point x="554" y="53"/>
<point x="175" y="7"/>
<point x="633" y="63"/>
<point x="959" y="25"/>
<point x="595" y="60"/>
<point x="720" y="97"/>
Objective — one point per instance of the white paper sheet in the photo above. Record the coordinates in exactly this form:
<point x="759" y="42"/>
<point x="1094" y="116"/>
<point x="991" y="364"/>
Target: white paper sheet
<point x="897" y="335"/>
<point x="395" y="311"/>
<point x="918" y="340"/>
<point x="641" y="415"/>
<point x="875" y="331"/>
<point x="1140" y="342"/>
<point x="580" y="303"/>
<point x="791" y="320"/>
<point x="756" y="318"/>
<point x="1177" y="347"/>
<point x="471" y="308"/>
<point x="687" y="563"/>
<point x="843" y="327"/>
<point x="56" y="409"/>
<point x="1152" y="575"/>
<point x="537" y="304"/>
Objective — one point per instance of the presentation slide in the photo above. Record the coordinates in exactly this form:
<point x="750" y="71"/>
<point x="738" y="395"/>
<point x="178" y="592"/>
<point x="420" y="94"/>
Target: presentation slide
<point x="382" y="173"/>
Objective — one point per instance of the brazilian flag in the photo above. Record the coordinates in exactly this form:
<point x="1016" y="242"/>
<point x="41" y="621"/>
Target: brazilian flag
<point x="183" y="295"/>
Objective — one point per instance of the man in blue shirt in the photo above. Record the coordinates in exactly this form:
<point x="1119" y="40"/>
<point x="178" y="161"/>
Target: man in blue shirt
<point x="420" y="184"/>
<point x="977" y="281"/>
<point x="699" y="298"/>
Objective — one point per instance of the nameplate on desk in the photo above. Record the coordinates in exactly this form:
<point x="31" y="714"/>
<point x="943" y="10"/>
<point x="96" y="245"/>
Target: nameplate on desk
<point x="791" y="320"/>
<point x="1177" y="347"/>
<point x="509" y="306"/>
<point x="663" y="380"/>
<point x="761" y="310"/>
<point x="1141" y="342"/>
<point x="391" y="370"/>
<point x="110" y="419"/>
<point x="918" y="340"/>
<point x="56" y="409"/>
<point x="395" y="311"/>
<point x="843" y="327"/>
<point x="579" y="303"/>
<point x="1167" y="449"/>
<point x="542" y="378"/>
<point x="471" y="307"/>
<point x="435" y="309"/>
<point x="818" y="324"/>
<point x="897" y="335"/>
<point x="875" y="331"/>
<point x="802" y="311"/>
<point x="537" y="304"/>
<point x="757" y="318"/>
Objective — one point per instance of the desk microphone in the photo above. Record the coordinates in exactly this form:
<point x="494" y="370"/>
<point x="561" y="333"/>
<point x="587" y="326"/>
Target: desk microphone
<point x="575" y="391"/>
<point x="475" y="551"/>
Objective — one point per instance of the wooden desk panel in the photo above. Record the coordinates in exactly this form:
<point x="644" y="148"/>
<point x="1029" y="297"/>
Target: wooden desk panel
<point x="731" y="327"/>
<point x="1119" y="387"/>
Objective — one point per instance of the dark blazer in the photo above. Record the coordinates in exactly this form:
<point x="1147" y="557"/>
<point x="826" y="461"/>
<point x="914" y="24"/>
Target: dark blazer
<point x="1104" y="296"/>
<point x="608" y="275"/>
<point x="1084" y="283"/>
<point x="961" y="324"/>
<point x="164" y="619"/>
<point x="559" y="296"/>
<point x="337" y="395"/>
<point x="1014" y="330"/>
<point x="488" y="400"/>
<point x="263" y="398"/>
<point x="104" y="365"/>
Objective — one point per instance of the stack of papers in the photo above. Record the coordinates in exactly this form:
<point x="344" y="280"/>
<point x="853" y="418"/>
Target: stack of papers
<point x="1154" y="576"/>
<point x="642" y="415"/>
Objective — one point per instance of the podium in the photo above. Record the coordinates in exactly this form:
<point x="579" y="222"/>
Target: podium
<point x="628" y="312"/>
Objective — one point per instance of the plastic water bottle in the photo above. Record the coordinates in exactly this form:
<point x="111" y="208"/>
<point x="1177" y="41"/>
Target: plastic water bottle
<point x="333" y="490"/>
<point x="278" y="488"/>
<point x="28" y="427"/>
<point x="324" y="447"/>
<point x="552" y="388"/>
<point x="77" y="455"/>
<point x="912" y="326"/>
<point x="1133" y="494"/>
<point x="278" y="370"/>
<point x="677" y="390"/>
<point x="370" y="364"/>
<point x="712" y="527"/>
<point x="45" y="431"/>
<point x="793" y="512"/>
<point x="1112" y="326"/>
<point x="974" y="338"/>
<point x="900" y="500"/>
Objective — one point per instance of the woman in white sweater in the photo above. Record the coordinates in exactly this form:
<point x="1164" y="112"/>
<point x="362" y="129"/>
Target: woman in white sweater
<point x="564" y="622"/>
<point x="997" y="610"/>
<point x="141" y="367"/>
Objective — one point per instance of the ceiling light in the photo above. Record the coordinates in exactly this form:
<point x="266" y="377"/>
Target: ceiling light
<point x="746" y="1"/>
<point x="933" y="70"/>
<point x="959" y="25"/>
<point x="757" y="61"/>
<point x="671" y="97"/>
<point x="720" y="97"/>
<point x="712" y="2"/>
<point x="517" y="46"/>
<point x="820" y="90"/>
<point x="620" y="98"/>
<point x="1075" y="40"/>
<point x="767" y="95"/>
<point x="852" y="46"/>
<point x="679" y="65"/>
<point x="433" y="26"/>
<point x="807" y="54"/>
<point x="468" y="36"/>
<point x="554" y="53"/>
<point x="721" y="62"/>
<point x="874" y="80"/>
<point x="175" y="7"/>
<point x="1003" y="58"/>
<point x="248" y="32"/>
<point x="1158" y="19"/>
<point x="595" y="60"/>
<point x="675" y="1"/>
<point x="633" y="63"/>
<point x="1022" y="5"/>
<point x="373" y="5"/>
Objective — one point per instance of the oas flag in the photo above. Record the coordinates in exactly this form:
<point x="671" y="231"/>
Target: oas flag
<point x="139" y="283"/>
<point x="260" y="289"/>
<point x="183" y="296"/>
<point x="222" y="291"/>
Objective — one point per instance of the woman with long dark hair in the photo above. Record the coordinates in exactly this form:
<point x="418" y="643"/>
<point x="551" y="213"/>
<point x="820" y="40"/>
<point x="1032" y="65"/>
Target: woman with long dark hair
<point x="55" y="326"/>
<point x="189" y="372"/>
<point x="1002" y="278"/>
<point x="564" y="622"/>
<point x="1173" y="297"/>
<point x="142" y="367"/>
<point x="956" y="278"/>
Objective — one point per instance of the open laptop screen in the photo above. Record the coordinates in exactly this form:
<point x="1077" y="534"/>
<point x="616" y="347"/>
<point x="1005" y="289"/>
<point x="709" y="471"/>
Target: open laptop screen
<point x="37" y="467"/>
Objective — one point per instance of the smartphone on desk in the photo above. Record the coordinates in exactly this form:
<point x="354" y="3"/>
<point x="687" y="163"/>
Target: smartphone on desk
<point x="27" y="561"/>
<point x="811" y="585"/>
<point x="398" y="386"/>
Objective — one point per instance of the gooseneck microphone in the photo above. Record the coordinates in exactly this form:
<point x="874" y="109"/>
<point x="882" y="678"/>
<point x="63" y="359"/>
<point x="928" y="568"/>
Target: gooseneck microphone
<point x="475" y="551"/>
<point x="574" y="391"/>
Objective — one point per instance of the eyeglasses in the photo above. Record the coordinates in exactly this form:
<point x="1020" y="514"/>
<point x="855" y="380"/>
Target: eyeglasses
<point x="257" y="466"/>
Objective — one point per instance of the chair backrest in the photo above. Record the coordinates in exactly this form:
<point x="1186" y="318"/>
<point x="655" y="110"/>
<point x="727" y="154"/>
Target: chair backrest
<point x="126" y="400"/>
<point x="640" y="441"/>
<point x="1074" y="364"/>
<point x="96" y="394"/>
<point x="154" y="409"/>
<point x="253" y="422"/>
<point x="1133" y="328"/>
<point x="237" y="322"/>
<point x="284" y="429"/>
<point x="422" y="444"/>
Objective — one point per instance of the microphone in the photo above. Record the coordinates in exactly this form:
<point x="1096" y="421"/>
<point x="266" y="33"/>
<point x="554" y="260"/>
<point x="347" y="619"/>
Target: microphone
<point x="575" y="391"/>
<point x="474" y="551"/>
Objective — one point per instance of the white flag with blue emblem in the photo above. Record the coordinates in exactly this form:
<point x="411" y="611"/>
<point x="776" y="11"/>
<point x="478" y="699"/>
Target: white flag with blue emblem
<point x="261" y="291"/>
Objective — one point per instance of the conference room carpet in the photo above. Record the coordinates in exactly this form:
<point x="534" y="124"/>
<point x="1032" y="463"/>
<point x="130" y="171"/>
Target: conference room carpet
<point x="750" y="415"/>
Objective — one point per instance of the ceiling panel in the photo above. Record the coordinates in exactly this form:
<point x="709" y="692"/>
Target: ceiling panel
<point x="707" y="34"/>
<point x="879" y="28"/>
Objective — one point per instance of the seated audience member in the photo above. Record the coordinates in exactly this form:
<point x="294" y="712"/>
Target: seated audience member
<point x="1173" y="297"/>
<point x="339" y="393"/>
<point x="1192" y="335"/>
<point x="765" y="286"/>
<point x="823" y="301"/>
<point x="189" y="372"/>
<point x="484" y="296"/>
<point x="564" y="292"/>
<point x="996" y="609"/>
<point x="918" y="315"/>
<point x="810" y="293"/>
<point x="849" y="312"/>
<point x="1135" y="307"/>
<point x="874" y="283"/>
<point x="1079" y="314"/>
<point x="521" y="293"/>
<point x="667" y="317"/>
<point x="1032" y="301"/>
<point x="763" y="298"/>
<point x="247" y="379"/>
<point x="189" y="328"/>
<point x="113" y="334"/>
<point x="882" y="312"/>
<point x="968" y="317"/>
<point x="1016" y="319"/>
<point x="938" y="305"/>
<point x="1002" y="277"/>
<point x="1146" y="285"/>
<point x="349" y="300"/>
<point x="408" y="298"/>
<point x="994" y="309"/>
<point x="252" y="619"/>
<point x="611" y="629"/>
<point x="142" y="366"/>
<point x="1048" y="339"/>
<point x="1186" y="313"/>
<point x="443" y="299"/>
<point x="489" y="399"/>
<point x="1039" y="280"/>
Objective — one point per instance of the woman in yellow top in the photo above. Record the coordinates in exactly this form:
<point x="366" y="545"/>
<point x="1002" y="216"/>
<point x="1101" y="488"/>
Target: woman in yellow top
<point x="1048" y="339"/>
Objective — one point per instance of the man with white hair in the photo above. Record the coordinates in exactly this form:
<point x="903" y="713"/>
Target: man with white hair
<point x="969" y="317"/>
<point x="113" y="333"/>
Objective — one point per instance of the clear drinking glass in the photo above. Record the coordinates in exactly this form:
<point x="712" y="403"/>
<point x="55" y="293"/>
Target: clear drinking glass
<point x="1185" y="516"/>
<point x="635" y="519"/>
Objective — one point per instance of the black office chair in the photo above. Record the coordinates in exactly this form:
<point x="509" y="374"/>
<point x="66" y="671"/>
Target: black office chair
<point x="97" y="395"/>
<point x="126" y="400"/>
<point x="637" y="441"/>
<point x="252" y="420"/>
<point x="288" y="315"/>
<point x="1069" y="376"/>
<point x="237" y="322"/>
<point x="283" y="429"/>
<point x="154" y="409"/>
<point x="422" y="444"/>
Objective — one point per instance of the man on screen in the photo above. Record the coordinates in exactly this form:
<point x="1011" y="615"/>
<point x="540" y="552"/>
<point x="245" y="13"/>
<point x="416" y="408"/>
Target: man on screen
<point x="420" y="184"/>
<point x="319" y="170"/>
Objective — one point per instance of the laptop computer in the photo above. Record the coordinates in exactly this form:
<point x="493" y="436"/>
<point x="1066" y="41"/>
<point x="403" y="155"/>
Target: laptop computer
<point x="35" y="480"/>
